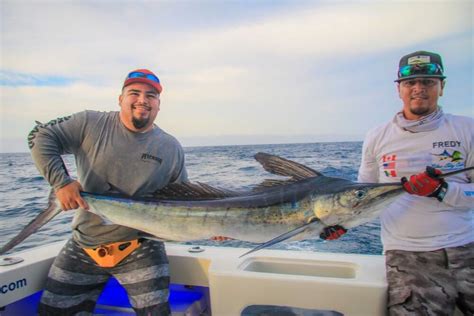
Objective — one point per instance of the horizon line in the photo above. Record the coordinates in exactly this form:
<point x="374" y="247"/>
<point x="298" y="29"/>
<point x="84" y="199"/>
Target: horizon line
<point x="232" y="145"/>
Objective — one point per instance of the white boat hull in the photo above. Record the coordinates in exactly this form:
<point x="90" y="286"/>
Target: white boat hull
<point x="345" y="283"/>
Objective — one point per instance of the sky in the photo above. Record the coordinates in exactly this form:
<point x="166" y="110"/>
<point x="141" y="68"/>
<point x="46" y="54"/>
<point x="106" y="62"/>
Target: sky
<point x="233" y="72"/>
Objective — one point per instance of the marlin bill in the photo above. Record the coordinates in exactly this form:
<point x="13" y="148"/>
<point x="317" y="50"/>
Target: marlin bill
<point x="298" y="207"/>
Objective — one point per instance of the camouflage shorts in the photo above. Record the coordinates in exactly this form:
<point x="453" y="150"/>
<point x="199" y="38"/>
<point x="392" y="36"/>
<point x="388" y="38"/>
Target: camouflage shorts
<point x="432" y="282"/>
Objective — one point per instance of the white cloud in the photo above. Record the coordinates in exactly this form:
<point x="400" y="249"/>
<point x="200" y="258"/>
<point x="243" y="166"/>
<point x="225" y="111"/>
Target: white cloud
<point x="87" y="39"/>
<point x="333" y="30"/>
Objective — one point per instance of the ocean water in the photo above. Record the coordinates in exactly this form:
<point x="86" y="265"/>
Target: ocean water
<point x="23" y="191"/>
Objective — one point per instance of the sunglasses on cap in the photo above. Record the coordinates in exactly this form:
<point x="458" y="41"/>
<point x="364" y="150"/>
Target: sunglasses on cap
<point x="137" y="74"/>
<point x="420" y="69"/>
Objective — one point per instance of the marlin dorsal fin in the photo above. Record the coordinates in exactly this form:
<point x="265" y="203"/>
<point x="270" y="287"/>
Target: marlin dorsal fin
<point x="283" y="167"/>
<point x="192" y="191"/>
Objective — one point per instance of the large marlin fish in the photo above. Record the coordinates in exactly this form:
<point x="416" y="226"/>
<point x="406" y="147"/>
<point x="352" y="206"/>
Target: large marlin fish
<point x="298" y="208"/>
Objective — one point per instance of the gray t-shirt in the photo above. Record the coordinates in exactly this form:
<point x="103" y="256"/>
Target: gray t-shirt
<point x="109" y="158"/>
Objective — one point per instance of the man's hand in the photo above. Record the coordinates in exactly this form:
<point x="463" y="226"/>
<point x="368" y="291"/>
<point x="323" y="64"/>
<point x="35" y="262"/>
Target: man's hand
<point x="70" y="197"/>
<point x="332" y="232"/>
<point x="424" y="184"/>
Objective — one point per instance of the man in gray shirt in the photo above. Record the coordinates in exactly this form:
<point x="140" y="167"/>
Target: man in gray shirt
<point x="121" y="152"/>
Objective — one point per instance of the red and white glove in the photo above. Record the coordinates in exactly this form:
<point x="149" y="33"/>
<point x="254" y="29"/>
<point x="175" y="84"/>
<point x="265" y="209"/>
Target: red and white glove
<point x="426" y="184"/>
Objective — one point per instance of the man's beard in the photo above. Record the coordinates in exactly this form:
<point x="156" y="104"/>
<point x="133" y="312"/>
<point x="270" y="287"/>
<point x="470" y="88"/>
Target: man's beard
<point x="421" y="111"/>
<point x="139" y="123"/>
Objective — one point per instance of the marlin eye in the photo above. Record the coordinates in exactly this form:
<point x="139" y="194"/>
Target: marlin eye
<point x="359" y="194"/>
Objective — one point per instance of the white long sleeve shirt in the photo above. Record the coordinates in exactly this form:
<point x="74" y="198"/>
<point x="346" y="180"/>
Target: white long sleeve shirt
<point x="416" y="223"/>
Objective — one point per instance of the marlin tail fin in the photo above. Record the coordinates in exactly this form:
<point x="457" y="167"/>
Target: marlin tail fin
<point x="39" y="221"/>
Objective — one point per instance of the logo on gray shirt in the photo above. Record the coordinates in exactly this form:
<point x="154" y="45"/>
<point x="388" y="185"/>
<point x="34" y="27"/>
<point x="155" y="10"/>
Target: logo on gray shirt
<point x="151" y="158"/>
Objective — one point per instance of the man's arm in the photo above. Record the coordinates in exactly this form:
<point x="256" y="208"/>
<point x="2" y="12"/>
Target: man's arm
<point x="368" y="170"/>
<point x="461" y="195"/>
<point x="47" y="143"/>
<point x="180" y="174"/>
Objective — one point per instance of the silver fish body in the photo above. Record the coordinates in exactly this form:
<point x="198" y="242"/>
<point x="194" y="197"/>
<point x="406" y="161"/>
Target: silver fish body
<point x="253" y="217"/>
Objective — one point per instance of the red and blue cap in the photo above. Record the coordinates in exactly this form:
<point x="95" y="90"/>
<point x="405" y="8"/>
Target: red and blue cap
<point x="143" y="76"/>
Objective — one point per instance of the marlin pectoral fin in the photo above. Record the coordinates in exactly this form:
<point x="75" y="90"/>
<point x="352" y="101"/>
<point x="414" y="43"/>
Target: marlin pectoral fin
<point x="39" y="221"/>
<point x="283" y="237"/>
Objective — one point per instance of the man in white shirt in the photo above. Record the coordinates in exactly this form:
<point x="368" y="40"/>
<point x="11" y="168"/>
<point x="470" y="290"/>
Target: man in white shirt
<point x="427" y="234"/>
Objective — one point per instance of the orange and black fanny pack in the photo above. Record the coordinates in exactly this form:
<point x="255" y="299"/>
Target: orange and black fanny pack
<point x="108" y="256"/>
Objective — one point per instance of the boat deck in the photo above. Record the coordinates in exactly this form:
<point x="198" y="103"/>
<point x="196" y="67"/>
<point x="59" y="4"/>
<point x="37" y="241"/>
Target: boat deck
<point x="215" y="281"/>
